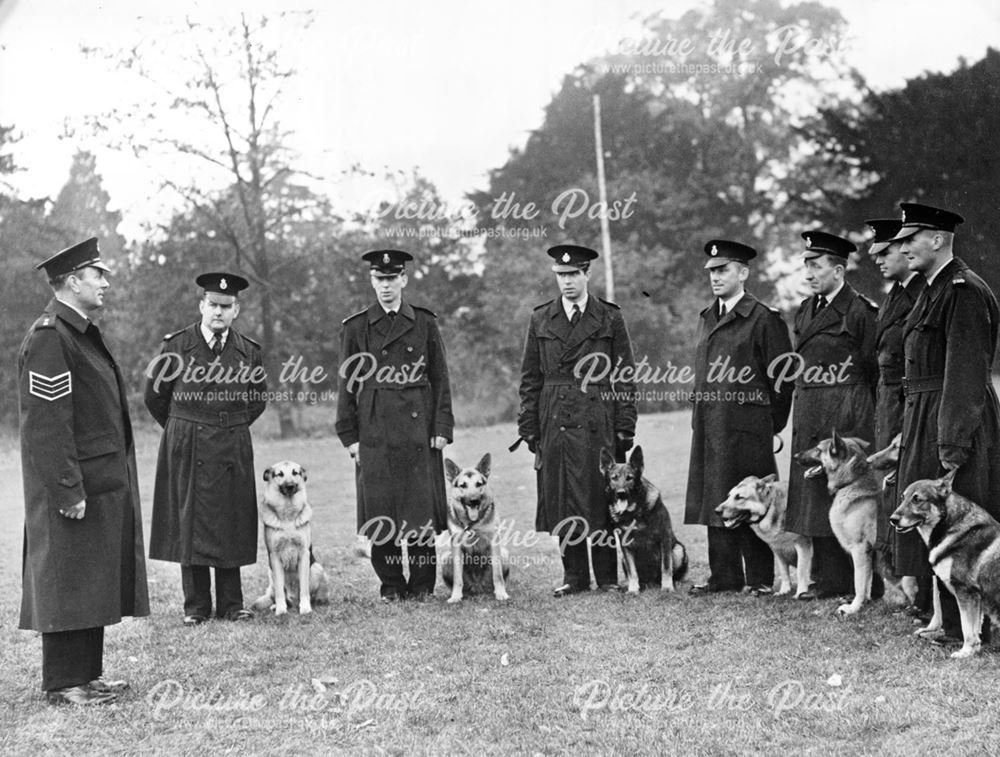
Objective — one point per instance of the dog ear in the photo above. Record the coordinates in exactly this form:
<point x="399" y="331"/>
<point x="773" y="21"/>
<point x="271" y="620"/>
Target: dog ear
<point x="860" y="442"/>
<point x="946" y="482"/>
<point x="837" y="447"/>
<point x="770" y="478"/>
<point x="302" y="471"/>
<point x="636" y="460"/>
<point x="451" y="470"/>
<point x="267" y="474"/>
<point x="606" y="461"/>
<point x="483" y="466"/>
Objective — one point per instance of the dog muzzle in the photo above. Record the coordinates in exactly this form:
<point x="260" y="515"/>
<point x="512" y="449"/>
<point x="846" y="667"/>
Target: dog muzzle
<point x="288" y="489"/>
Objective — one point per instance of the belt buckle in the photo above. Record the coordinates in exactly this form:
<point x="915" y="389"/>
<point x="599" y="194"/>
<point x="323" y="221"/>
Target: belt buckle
<point x="223" y="418"/>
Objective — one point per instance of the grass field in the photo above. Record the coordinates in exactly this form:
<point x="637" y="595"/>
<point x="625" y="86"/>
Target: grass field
<point x="595" y="673"/>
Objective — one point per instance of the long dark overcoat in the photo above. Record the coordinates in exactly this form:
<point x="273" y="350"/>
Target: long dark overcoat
<point x="737" y="413"/>
<point x="889" y="394"/>
<point x="572" y="422"/>
<point x="839" y="342"/>
<point x="951" y="410"/>
<point x="76" y="443"/>
<point x="205" y="499"/>
<point x="394" y="396"/>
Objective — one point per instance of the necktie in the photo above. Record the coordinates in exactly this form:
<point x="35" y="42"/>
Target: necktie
<point x="722" y="309"/>
<point x="575" y="318"/>
<point x="217" y="344"/>
<point x="820" y="304"/>
<point x="392" y="314"/>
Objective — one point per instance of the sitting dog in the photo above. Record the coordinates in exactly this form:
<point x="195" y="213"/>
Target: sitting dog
<point x="641" y="521"/>
<point x="476" y="559"/>
<point x="762" y="502"/>
<point x="295" y="576"/>
<point x="854" y="510"/>
<point x="963" y="542"/>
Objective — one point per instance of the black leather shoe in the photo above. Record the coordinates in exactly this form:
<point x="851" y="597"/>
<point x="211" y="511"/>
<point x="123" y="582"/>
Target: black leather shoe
<point x="806" y="596"/>
<point x="566" y="589"/>
<point x="760" y="590"/>
<point x="421" y="596"/>
<point x="194" y="620"/>
<point x="239" y="615"/>
<point x="391" y="598"/>
<point x="81" y="695"/>
<point x="700" y="590"/>
<point x="108" y="687"/>
<point x="608" y="587"/>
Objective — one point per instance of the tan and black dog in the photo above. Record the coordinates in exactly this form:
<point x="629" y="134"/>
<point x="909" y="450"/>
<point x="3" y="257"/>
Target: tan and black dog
<point x="963" y="544"/>
<point x="295" y="577"/>
<point x="641" y="522"/>
<point x="476" y="560"/>
<point x="853" y="513"/>
<point x="762" y="503"/>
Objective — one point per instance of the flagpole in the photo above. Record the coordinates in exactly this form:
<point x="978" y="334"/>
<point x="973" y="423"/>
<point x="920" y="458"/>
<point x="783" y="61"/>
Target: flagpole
<point x="609" y="276"/>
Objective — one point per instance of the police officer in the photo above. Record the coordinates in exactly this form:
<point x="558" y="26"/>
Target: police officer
<point x="394" y="416"/>
<point x="205" y="389"/>
<point x="834" y="335"/>
<point x="83" y="554"/>
<point x="951" y="417"/>
<point x="567" y="423"/>
<point x="906" y="287"/>
<point x="737" y="411"/>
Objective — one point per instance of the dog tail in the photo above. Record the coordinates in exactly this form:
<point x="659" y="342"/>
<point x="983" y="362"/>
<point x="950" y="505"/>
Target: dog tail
<point x="680" y="559"/>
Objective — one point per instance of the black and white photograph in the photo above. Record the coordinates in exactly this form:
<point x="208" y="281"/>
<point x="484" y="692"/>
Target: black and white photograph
<point x="537" y="378"/>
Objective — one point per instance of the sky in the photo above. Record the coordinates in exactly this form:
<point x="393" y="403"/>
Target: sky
<point x="447" y="86"/>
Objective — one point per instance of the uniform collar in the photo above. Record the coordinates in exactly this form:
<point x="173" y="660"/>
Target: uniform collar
<point x="73" y="316"/>
<point x="567" y="306"/>
<point x="731" y="302"/>
<point x="930" y="279"/>
<point x="209" y="335"/>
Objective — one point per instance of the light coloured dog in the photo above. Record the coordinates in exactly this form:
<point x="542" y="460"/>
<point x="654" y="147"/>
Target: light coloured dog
<point x="295" y="576"/>
<point x="476" y="559"/>
<point x="762" y="503"/>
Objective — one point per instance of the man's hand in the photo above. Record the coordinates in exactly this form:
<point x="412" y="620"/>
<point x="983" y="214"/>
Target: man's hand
<point x="950" y="465"/>
<point x="438" y="442"/>
<point x="952" y="456"/>
<point x="355" y="451"/>
<point x="76" y="511"/>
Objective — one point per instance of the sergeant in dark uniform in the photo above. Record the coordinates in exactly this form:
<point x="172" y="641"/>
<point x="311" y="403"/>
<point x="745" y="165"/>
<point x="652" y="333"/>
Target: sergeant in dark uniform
<point x="567" y="423"/>
<point x="907" y="286"/>
<point x="394" y="416"/>
<point x="83" y="563"/>
<point x="737" y="411"/>
<point x="205" y="389"/>
<point x="951" y="418"/>
<point x="834" y="335"/>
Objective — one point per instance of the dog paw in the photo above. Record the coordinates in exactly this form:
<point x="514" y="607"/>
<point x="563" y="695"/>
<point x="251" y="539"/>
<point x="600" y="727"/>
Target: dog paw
<point x="965" y="652"/>
<point x="305" y="609"/>
<point x="501" y="596"/>
<point x="453" y="599"/>
<point x="848" y="609"/>
<point x="928" y="632"/>
<point x="280" y="610"/>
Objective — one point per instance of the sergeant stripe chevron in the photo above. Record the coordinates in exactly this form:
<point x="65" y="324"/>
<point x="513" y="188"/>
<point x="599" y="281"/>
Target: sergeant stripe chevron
<point x="50" y="387"/>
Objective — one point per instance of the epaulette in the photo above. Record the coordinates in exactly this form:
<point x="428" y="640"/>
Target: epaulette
<point x="171" y="335"/>
<point x="958" y="281"/>
<point x="771" y="308"/>
<point x="426" y="310"/>
<point x="868" y="301"/>
<point x="45" y="321"/>
<point x="254" y="342"/>
<point x="354" y="315"/>
<point x="616" y="307"/>
<point x="544" y="304"/>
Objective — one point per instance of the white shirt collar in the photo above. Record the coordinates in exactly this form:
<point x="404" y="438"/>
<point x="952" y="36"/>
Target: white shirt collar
<point x="930" y="279"/>
<point x="906" y="282"/>
<point x="568" y="306"/>
<point x="833" y="295"/>
<point x="731" y="302"/>
<point x="74" y="307"/>
<point x="209" y="335"/>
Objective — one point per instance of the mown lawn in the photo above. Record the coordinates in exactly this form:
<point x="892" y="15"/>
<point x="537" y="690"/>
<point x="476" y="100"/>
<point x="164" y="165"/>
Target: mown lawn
<point x="595" y="673"/>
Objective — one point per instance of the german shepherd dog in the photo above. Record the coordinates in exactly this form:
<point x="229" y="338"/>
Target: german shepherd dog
<point x="762" y="502"/>
<point x="472" y="524"/>
<point x="295" y="576"/>
<point x="963" y="541"/>
<point x="641" y="522"/>
<point x="853" y="513"/>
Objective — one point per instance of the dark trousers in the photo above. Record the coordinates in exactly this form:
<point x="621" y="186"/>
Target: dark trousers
<point x="576" y="565"/>
<point x="737" y="557"/>
<point x="197" y="585"/>
<point x="72" y="658"/>
<point x="421" y="559"/>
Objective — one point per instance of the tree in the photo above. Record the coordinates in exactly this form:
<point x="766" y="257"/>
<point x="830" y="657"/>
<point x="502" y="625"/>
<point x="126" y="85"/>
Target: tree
<point x="217" y="111"/>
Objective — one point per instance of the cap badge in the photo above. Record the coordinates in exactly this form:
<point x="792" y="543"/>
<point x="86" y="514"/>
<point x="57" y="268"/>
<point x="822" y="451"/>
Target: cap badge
<point x="809" y="243"/>
<point x="565" y="257"/>
<point x="715" y="250"/>
<point x="903" y="219"/>
<point x="223" y="284"/>
<point x="386" y="259"/>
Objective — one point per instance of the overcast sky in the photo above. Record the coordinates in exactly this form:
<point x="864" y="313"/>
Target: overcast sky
<point x="448" y="86"/>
